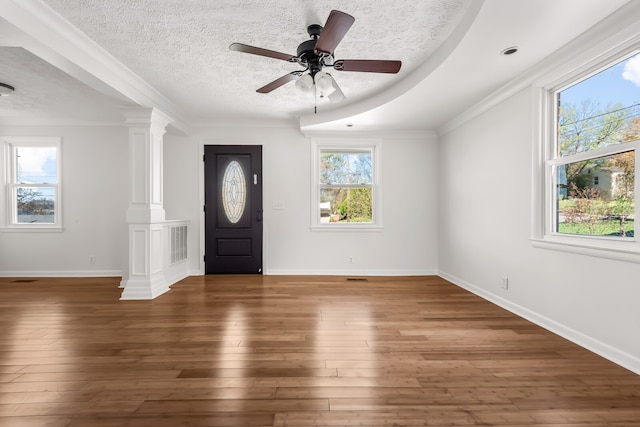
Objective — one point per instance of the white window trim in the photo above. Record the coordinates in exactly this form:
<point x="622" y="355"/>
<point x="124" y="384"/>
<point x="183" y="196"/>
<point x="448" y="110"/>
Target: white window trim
<point x="346" y="144"/>
<point x="543" y="158"/>
<point x="8" y="223"/>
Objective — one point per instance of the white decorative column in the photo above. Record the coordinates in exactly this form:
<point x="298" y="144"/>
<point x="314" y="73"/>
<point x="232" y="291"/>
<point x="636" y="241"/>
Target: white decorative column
<point x="145" y="214"/>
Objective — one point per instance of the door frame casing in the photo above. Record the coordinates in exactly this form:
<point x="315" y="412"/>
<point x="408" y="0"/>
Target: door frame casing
<point x="265" y="214"/>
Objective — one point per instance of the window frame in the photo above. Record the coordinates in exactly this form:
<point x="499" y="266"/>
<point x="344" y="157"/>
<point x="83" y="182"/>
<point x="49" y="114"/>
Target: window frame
<point x="11" y="186"/>
<point x="345" y="146"/>
<point x="545" y="158"/>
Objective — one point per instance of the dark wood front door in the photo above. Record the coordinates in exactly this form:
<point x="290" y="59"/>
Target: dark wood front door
<point x="233" y="209"/>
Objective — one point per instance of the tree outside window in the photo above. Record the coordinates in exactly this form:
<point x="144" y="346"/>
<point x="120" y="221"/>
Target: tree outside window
<point x="346" y="186"/>
<point x="595" y="158"/>
<point x="345" y="189"/>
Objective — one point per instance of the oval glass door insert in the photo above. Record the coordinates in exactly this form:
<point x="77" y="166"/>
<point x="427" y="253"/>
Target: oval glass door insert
<point x="234" y="191"/>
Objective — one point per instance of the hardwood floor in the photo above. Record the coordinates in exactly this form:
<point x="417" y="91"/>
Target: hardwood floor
<point x="292" y="351"/>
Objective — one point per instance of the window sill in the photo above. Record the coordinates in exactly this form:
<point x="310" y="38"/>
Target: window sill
<point x="31" y="229"/>
<point x="621" y="250"/>
<point x="346" y="227"/>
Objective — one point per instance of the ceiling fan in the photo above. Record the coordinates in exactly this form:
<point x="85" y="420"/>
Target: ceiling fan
<point x="317" y="53"/>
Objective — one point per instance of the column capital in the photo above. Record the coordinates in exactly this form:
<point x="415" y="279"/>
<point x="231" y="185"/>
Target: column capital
<point x="146" y="117"/>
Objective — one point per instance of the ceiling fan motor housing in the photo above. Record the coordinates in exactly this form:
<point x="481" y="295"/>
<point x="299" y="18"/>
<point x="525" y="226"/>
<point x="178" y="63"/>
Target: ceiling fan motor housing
<point x="306" y="50"/>
<point x="308" y="56"/>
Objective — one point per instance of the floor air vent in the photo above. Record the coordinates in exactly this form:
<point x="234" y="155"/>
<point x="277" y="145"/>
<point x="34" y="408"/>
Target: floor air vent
<point x="356" y="279"/>
<point x="23" y="281"/>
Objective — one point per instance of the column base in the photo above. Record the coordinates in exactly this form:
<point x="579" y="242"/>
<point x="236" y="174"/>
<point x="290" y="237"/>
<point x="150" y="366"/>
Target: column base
<point x="144" y="289"/>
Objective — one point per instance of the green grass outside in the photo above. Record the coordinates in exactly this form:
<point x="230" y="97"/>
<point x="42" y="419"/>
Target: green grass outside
<point x="610" y="227"/>
<point x="603" y="228"/>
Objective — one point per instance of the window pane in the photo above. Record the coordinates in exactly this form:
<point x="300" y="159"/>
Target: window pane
<point x="36" y="165"/>
<point x="36" y="205"/>
<point x="600" y="111"/>
<point x="596" y="197"/>
<point x="346" y="168"/>
<point x="346" y="205"/>
<point x="234" y="192"/>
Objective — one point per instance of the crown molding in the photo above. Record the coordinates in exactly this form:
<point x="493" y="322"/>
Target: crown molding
<point x="618" y="31"/>
<point x="386" y="134"/>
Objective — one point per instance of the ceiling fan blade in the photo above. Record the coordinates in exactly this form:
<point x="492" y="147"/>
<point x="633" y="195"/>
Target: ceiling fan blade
<point x="368" y="65"/>
<point x="244" y="48"/>
<point x="338" y="23"/>
<point x="277" y="83"/>
<point x="336" y="95"/>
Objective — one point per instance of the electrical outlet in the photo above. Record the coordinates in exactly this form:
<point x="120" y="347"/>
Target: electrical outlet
<point x="92" y="259"/>
<point x="350" y="260"/>
<point x="505" y="282"/>
<point x="278" y="205"/>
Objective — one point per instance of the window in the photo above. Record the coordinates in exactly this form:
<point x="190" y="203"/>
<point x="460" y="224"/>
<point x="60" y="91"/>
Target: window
<point x="345" y="185"/>
<point x="234" y="192"/>
<point x="589" y="160"/>
<point x="33" y="183"/>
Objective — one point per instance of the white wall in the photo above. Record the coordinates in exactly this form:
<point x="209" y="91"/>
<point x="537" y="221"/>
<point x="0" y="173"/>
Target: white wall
<point x="406" y="245"/>
<point x="94" y="199"/>
<point x="484" y="226"/>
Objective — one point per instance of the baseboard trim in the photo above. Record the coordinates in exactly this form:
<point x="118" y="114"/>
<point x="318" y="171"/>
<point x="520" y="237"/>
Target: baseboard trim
<point x="70" y="273"/>
<point x="349" y="272"/>
<point x="598" y="347"/>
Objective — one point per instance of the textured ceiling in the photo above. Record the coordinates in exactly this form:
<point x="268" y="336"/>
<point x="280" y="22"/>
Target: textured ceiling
<point x="45" y="91"/>
<point x="182" y="47"/>
<point x="82" y="60"/>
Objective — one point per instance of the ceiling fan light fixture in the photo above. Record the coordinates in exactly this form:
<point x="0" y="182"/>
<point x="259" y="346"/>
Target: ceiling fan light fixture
<point x="324" y="82"/>
<point x="304" y="83"/>
<point x="336" y="94"/>
<point x="5" y="89"/>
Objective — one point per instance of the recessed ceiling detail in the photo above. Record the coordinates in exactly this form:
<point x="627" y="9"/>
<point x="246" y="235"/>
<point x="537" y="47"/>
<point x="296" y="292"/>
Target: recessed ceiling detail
<point x="165" y="42"/>
<point x="81" y="61"/>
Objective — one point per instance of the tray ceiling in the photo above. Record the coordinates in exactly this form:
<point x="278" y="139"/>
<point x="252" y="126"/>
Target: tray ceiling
<point x="83" y="60"/>
<point x="182" y="48"/>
